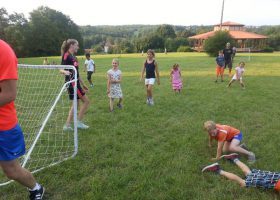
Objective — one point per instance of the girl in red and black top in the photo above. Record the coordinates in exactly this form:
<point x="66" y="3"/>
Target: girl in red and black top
<point x="68" y="49"/>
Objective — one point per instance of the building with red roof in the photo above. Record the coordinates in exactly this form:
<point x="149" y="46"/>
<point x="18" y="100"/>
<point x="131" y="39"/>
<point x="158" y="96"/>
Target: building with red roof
<point x="244" y="40"/>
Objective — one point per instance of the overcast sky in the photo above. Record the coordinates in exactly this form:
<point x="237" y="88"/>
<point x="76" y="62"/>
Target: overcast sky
<point x="176" y="12"/>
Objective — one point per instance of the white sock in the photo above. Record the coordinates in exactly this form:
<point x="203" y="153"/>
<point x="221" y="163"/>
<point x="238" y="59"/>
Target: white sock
<point x="36" y="187"/>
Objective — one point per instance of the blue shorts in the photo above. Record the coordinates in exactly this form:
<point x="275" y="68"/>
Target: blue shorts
<point x="12" y="144"/>
<point x="238" y="137"/>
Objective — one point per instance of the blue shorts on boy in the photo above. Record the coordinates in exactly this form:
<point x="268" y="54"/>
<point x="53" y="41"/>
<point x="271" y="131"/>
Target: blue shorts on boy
<point x="12" y="144"/>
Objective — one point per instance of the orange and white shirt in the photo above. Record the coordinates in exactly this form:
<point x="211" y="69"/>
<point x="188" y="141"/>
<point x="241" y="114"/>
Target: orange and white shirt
<point x="225" y="133"/>
<point x="8" y="71"/>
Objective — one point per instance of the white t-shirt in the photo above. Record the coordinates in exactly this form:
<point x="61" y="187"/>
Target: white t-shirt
<point x="90" y="65"/>
<point x="239" y="72"/>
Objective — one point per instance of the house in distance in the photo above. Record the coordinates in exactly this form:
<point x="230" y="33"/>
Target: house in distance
<point x="244" y="40"/>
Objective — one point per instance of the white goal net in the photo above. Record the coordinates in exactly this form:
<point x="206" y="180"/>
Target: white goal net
<point x="43" y="105"/>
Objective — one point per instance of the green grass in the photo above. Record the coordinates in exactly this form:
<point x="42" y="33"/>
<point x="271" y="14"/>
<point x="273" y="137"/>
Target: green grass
<point x="157" y="152"/>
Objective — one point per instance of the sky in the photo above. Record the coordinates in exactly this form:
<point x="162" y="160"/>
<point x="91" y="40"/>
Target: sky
<point x="175" y="12"/>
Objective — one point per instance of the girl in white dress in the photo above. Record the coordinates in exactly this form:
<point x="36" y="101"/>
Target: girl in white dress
<point x="238" y="75"/>
<point x="114" y="77"/>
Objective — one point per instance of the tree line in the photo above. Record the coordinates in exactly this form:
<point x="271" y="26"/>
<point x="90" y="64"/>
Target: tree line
<point x="45" y="30"/>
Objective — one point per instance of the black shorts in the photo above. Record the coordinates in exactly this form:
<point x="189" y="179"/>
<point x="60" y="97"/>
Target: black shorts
<point x="80" y="91"/>
<point x="89" y="74"/>
<point x="228" y="63"/>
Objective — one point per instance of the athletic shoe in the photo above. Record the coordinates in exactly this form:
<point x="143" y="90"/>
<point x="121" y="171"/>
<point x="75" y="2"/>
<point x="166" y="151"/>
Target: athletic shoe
<point x="91" y="85"/>
<point x="231" y="157"/>
<point x="119" y="106"/>
<point x="212" y="168"/>
<point x="67" y="128"/>
<point x="81" y="125"/>
<point x="37" y="194"/>
<point x="148" y="101"/>
<point x="222" y="80"/>
<point x="251" y="158"/>
<point x="243" y="146"/>
<point x="216" y="81"/>
<point x="152" y="102"/>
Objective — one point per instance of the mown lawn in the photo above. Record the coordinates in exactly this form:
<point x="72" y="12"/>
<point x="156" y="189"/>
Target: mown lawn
<point x="157" y="152"/>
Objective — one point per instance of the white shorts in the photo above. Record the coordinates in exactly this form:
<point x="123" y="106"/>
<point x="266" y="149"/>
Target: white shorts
<point x="150" y="81"/>
<point x="235" y="78"/>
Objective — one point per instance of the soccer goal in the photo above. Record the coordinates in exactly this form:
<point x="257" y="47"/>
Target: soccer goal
<point x="43" y="105"/>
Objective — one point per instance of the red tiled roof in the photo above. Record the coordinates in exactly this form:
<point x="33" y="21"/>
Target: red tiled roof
<point x="230" y="24"/>
<point x="203" y="35"/>
<point x="234" y="34"/>
<point x="246" y="35"/>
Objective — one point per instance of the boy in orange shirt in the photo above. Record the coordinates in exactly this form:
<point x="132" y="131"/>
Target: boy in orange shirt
<point x="228" y="138"/>
<point x="253" y="178"/>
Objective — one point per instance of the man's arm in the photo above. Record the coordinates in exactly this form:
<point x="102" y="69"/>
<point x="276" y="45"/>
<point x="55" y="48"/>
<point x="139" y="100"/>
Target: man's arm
<point x="8" y="91"/>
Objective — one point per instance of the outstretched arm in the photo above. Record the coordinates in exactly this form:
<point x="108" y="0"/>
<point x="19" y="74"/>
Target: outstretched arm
<point x="219" y="151"/>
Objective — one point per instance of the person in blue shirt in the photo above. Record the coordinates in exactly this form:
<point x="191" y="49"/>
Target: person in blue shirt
<point x="220" y="61"/>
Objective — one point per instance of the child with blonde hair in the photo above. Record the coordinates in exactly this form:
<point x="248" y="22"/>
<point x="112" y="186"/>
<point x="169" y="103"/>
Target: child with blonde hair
<point x="114" y="78"/>
<point x="175" y="76"/>
<point x="229" y="139"/>
<point x="239" y="70"/>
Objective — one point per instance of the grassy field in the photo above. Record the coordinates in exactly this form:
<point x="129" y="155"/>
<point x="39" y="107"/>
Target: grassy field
<point x="157" y="152"/>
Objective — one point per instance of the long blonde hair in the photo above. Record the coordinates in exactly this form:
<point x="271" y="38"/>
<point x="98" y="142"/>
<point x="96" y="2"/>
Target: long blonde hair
<point x="66" y="45"/>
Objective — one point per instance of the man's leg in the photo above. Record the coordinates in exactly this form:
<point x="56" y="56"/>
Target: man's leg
<point x="233" y="177"/>
<point x="14" y="171"/>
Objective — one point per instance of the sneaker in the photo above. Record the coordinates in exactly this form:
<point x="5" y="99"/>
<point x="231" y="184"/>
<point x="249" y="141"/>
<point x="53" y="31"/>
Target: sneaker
<point x="148" y="101"/>
<point x="91" y="85"/>
<point x="243" y="146"/>
<point x="37" y="194"/>
<point x="231" y="157"/>
<point x="119" y="106"/>
<point x="252" y="158"/>
<point x="222" y="80"/>
<point x="216" y="81"/>
<point x="67" y="128"/>
<point x="212" y="168"/>
<point x="81" y="125"/>
<point x="152" y="102"/>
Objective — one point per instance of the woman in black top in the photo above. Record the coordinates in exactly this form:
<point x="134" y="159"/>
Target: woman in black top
<point x="151" y="67"/>
<point x="68" y="49"/>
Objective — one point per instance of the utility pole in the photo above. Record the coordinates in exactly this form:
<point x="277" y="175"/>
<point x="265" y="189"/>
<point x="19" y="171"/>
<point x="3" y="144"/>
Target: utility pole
<point x="222" y="14"/>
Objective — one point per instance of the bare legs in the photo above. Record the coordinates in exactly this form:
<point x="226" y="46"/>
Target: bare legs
<point x="14" y="171"/>
<point x="234" y="146"/>
<point x="240" y="81"/>
<point x="245" y="169"/>
<point x="82" y="111"/>
<point x="149" y="91"/>
<point x="111" y="103"/>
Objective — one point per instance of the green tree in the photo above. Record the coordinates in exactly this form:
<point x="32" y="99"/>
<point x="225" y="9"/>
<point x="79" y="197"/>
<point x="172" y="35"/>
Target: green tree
<point x="166" y="31"/>
<point x="217" y="42"/>
<point x="15" y="33"/>
<point x="4" y="22"/>
<point x="48" y="28"/>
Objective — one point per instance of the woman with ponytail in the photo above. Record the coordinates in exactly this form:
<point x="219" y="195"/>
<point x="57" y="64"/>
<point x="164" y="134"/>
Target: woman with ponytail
<point x="68" y="50"/>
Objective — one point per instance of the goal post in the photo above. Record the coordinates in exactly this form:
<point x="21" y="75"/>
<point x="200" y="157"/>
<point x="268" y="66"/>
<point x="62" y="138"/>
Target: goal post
<point x="43" y="105"/>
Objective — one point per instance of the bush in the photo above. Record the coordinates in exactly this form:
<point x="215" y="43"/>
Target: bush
<point x="268" y="49"/>
<point x="184" y="49"/>
<point x="216" y="43"/>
